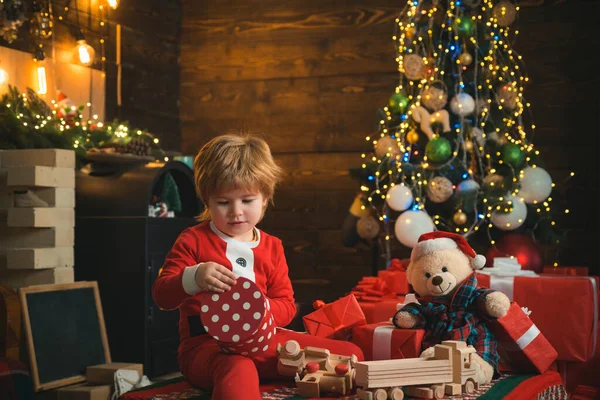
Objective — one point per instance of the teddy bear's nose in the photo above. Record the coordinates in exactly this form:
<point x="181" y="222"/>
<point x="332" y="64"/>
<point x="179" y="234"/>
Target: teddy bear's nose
<point x="437" y="280"/>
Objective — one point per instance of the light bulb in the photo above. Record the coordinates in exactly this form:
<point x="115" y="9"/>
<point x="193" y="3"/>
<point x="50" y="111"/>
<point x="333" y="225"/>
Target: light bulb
<point x="85" y="52"/>
<point x="41" y="72"/>
<point x="113" y="4"/>
<point x="3" y="76"/>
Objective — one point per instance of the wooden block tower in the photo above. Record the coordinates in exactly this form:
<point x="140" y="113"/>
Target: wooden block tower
<point x="37" y="216"/>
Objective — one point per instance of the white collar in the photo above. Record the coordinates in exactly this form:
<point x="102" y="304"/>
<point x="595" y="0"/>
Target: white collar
<point x="229" y="239"/>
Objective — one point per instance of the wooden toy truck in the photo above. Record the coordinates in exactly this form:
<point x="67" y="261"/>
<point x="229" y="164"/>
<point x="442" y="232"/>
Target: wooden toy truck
<point x="316" y="370"/>
<point x="450" y="371"/>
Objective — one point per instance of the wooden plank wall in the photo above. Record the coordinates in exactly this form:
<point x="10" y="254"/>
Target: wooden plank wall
<point x="310" y="75"/>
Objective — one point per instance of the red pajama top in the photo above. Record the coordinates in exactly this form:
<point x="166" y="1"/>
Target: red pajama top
<point x="262" y="261"/>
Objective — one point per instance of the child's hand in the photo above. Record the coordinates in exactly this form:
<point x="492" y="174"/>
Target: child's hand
<point x="214" y="277"/>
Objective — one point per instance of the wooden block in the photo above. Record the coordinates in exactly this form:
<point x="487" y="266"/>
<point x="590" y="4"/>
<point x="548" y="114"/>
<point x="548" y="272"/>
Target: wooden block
<point x="24" y="278"/>
<point x="40" y="217"/>
<point x="33" y="175"/>
<point x="52" y="257"/>
<point x="85" y="392"/>
<point x="55" y="197"/>
<point x="58" y="236"/>
<point x="105" y="373"/>
<point x="43" y="157"/>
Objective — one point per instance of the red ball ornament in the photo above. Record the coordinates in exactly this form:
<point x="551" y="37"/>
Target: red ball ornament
<point x="519" y="245"/>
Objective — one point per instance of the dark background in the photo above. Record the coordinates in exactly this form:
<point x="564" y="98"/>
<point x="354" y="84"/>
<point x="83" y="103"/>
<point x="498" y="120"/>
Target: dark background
<point x="310" y="75"/>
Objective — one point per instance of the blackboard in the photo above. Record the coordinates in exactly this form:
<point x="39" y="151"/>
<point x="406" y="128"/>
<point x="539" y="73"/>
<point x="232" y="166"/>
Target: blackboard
<point x="65" y="331"/>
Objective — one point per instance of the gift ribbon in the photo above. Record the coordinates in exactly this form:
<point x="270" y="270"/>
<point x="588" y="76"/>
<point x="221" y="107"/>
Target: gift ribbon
<point x="382" y="342"/>
<point x="524" y="340"/>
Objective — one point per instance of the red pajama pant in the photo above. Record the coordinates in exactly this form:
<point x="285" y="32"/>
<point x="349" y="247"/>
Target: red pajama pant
<point x="232" y="377"/>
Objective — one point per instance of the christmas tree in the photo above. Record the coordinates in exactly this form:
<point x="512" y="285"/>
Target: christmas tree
<point x="452" y="150"/>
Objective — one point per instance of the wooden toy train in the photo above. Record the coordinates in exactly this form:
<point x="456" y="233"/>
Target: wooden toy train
<point x="449" y="371"/>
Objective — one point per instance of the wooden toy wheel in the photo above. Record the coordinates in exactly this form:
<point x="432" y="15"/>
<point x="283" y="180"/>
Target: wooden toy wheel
<point x="438" y="391"/>
<point x="379" y="394"/>
<point x="395" y="394"/>
<point x="469" y="387"/>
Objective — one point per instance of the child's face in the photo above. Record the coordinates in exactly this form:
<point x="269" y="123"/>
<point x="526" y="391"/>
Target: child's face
<point x="236" y="211"/>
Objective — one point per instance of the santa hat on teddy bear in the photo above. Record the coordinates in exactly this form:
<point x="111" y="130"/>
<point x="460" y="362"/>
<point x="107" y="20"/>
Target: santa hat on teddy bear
<point x="431" y="242"/>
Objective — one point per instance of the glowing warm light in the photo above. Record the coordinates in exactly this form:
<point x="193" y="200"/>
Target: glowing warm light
<point x="3" y="76"/>
<point x="85" y="52"/>
<point x="113" y="4"/>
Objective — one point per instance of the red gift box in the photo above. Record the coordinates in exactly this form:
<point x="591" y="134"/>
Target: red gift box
<point x="395" y="280"/>
<point x="335" y="320"/>
<point x="378" y="309"/>
<point x="564" y="308"/>
<point x="569" y="271"/>
<point x="520" y="342"/>
<point x="383" y="341"/>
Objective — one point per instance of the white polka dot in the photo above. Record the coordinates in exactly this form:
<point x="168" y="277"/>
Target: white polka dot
<point x="215" y="318"/>
<point x="249" y="340"/>
<point x="256" y="294"/>
<point x="215" y="297"/>
<point x="269" y="335"/>
<point x="274" y="330"/>
<point x="235" y="317"/>
<point x="265" y="348"/>
<point x="236" y="296"/>
<point x="235" y="338"/>
<point x="254" y="350"/>
<point x="206" y="328"/>
<point x="231" y="349"/>
<point x="246" y="306"/>
<point x="225" y="307"/>
<point x="225" y="328"/>
<point x="244" y="353"/>
<point x="257" y="315"/>
<point x="260" y="339"/>
<point x="246" y="285"/>
<point x="216" y="337"/>
<point x="265" y="326"/>
<point x="204" y="308"/>
<point x="246" y="327"/>
<point x="270" y="321"/>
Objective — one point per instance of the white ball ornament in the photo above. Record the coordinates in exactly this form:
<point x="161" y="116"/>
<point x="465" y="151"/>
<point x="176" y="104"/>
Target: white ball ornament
<point x="399" y="197"/>
<point x="412" y="224"/>
<point x="508" y="221"/>
<point x="439" y="189"/>
<point x="536" y="185"/>
<point x="414" y="67"/>
<point x="367" y="227"/>
<point x="462" y="104"/>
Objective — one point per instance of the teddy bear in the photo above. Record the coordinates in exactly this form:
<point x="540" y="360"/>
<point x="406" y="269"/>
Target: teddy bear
<point x="450" y="305"/>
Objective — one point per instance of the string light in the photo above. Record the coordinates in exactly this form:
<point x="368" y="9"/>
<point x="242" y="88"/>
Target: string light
<point x="41" y="72"/>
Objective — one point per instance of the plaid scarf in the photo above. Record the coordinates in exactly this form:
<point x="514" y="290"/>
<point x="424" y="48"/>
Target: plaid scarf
<point x="458" y="317"/>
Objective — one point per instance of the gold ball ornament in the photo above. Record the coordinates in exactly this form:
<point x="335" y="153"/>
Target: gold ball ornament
<point x="460" y="218"/>
<point x="439" y="189"/>
<point x="412" y="137"/>
<point x="387" y="145"/>
<point x="435" y="96"/>
<point x="507" y="97"/>
<point x="367" y="227"/>
<point x="465" y="58"/>
<point x="413" y="66"/>
<point x="505" y="13"/>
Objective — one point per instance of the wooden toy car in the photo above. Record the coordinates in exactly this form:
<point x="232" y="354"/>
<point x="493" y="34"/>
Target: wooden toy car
<point x="316" y="370"/>
<point x="450" y="371"/>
